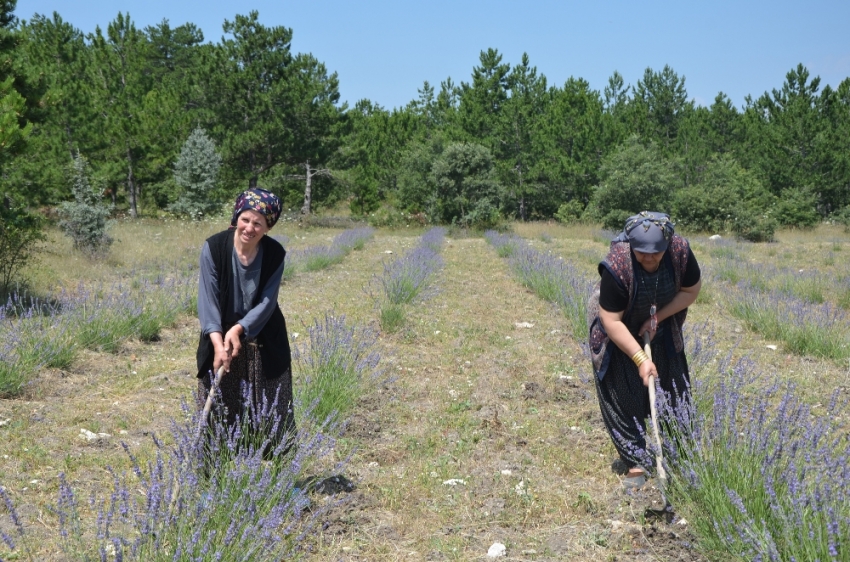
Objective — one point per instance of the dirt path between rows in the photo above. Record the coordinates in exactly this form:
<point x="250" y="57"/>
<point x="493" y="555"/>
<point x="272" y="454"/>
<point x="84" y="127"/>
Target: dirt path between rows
<point x="490" y="433"/>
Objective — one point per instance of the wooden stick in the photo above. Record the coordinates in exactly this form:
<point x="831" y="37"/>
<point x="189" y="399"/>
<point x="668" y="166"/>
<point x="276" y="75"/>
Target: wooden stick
<point x="659" y="458"/>
<point x="208" y="404"/>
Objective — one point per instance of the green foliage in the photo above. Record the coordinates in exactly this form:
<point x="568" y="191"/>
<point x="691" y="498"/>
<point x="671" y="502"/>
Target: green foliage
<point x="466" y="187"/>
<point x="20" y="233"/>
<point x="725" y="197"/>
<point x="797" y="208"/>
<point x="392" y="317"/>
<point x="196" y="173"/>
<point x="570" y="212"/>
<point x="86" y="219"/>
<point x="13" y="134"/>
<point x="634" y="178"/>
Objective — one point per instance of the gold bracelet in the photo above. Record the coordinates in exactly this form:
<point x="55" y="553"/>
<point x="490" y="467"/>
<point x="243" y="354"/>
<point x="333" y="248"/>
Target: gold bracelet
<point x="640" y="357"/>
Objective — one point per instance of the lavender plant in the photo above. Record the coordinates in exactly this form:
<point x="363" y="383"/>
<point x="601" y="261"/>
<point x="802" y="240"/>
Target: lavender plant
<point x="757" y="473"/>
<point x="433" y="239"/>
<point x="199" y="499"/>
<point x="337" y="363"/>
<point x="320" y="257"/>
<point x="407" y="279"/>
<point x="806" y="329"/>
<point x="506" y="245"/>
<point x="550" y="277"/>
<point x="32" y="336"/>
<point x="36" y="334"/>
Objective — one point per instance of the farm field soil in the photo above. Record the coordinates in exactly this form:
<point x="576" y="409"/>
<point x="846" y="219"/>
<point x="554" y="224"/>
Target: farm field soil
<point x="489" y="432"/>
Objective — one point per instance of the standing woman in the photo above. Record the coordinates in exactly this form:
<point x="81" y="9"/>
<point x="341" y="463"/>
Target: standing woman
<point x="242" y="326"/>
<point x="649" y="279"/>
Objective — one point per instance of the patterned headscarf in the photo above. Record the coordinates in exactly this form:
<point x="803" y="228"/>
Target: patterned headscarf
<point x="258" y="199"/>
<point x="648" y="231"/>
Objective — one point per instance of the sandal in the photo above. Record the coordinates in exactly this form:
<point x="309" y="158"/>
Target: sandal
<point x="634" y="482"/>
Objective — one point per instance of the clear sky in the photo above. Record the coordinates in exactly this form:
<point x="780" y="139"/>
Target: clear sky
<point x="384" y="50"/>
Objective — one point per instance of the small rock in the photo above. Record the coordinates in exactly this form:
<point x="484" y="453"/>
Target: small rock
<point x="5" y="422"/>
<point x="123" y="432"/>
<point x="523" y="324"/>
<point x="529" y="551"/>
<point x="454" y="482"/>
<point x="507" y="472"/>
<point x="508" y="337"/>
<point x="91" y="436"/>
<point x="715" y="237"/>
<point x="388" y="251"/>
<point x="682" y="522"/>
<point x="496" y="550"/>
<point x="773" y="347"/>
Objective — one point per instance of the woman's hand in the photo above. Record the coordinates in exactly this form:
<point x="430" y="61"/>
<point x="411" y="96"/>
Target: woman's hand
<point x="232" y="343"/>
<point x="221" y="355"/>
<point x="646" y="327"/>
<point x="647" y="369"/>
<point x="226" y="347"/>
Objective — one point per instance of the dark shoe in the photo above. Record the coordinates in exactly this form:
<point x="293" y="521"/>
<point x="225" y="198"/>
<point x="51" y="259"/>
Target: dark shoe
<point x="619" y="467"/>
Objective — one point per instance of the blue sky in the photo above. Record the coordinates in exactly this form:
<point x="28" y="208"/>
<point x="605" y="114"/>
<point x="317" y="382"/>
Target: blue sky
<point x="384" y="50"/>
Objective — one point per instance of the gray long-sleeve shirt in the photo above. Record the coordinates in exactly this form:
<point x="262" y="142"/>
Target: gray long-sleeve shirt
<point x="245" y="282"/>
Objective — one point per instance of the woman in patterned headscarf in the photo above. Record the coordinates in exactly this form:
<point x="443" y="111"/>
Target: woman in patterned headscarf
<point x="242" y="326"/>
<point x="649" y="279"/>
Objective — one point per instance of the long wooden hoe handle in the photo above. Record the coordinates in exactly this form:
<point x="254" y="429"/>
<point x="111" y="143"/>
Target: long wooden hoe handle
<point x="208" y="404"/>
<point x="659" y="458"/>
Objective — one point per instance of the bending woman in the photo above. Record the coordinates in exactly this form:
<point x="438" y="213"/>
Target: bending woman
<point x="649" y="279"/>
<point x="242" y="326"/>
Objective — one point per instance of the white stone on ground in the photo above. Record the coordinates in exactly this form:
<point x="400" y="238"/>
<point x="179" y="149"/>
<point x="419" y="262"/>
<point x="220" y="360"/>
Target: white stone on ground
<point x="496" y="550"/>
<point x="454" y="482"/>
<point x="91" y="436"/>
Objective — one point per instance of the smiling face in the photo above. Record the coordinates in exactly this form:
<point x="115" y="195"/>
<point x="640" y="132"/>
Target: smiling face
<point x="251" y="226"/>
<point x="649" y="261"/>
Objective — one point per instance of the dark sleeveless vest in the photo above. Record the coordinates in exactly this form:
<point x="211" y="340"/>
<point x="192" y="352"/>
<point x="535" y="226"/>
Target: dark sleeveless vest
<point x="273" y="341"/>
<point x="621" y="263"/>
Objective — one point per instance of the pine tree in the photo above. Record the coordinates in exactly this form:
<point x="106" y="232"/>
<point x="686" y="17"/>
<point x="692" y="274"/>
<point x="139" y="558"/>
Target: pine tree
<point x="196" y="173"/>
<point x="86" y="219"/>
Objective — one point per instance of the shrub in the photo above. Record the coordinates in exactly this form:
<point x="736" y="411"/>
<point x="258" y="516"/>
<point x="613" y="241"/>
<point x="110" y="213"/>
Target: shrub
<point x="725" y="195"/>
<point x="635" y="177"/>
<point x="85" y="219"/>
<point x="465" y="184"/>
<point x="570" y="212"/>
<point x="797" y="208"/>
<point x="20" y="234"/>
<point x="196" y="173"/>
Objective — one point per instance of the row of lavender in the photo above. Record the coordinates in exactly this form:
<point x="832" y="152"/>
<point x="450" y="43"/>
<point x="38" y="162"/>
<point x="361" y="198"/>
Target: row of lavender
<point x="319" y="257"/>
<point x="35" y="334"/>
<point x="758" y="474"/>
<point x="407" y="279"/>
<point x="552" y="278"/>
<point x="805" y="310"/>
<point x="216" y="498"/>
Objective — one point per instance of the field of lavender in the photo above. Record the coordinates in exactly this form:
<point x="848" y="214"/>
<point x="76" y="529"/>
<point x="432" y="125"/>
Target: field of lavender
<point x="444" y="406"/>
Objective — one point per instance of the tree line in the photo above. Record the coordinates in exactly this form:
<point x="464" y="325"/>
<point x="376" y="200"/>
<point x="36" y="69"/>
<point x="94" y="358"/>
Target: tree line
<point x="504" y="144"/>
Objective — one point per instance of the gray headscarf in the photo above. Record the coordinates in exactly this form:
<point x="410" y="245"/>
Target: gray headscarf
<point x="647" y="232"/>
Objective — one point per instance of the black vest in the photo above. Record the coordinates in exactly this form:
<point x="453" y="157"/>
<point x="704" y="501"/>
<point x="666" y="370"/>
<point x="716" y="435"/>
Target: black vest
<point x="272" y="340"/>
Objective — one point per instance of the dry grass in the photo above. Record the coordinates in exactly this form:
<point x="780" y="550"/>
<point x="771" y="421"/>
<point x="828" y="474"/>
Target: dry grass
<point x="510" y="411"/>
